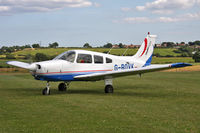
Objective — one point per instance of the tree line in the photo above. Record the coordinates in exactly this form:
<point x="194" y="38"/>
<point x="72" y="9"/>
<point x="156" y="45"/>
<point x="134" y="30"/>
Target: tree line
<point x="187" y="50"/>
<point x="163" y="44"/>
<point x="5" y="49"/>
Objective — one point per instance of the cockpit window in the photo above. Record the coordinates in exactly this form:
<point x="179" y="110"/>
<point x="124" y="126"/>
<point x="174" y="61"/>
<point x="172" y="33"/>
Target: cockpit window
<point x="68" y="56"/>
<point x="98" y="59"/>
<point x="84" y="58"/>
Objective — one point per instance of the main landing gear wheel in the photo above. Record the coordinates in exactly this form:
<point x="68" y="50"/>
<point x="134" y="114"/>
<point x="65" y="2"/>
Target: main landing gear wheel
<point x="109" y="89"/>
<point x="108" y="85"/>
<point x="62" y="87"/>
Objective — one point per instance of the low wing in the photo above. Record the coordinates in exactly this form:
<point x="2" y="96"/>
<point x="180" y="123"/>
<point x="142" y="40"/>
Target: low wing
<point x="150" y="68"/>
<point x="23" y="65"/>
<point x="19" y="64"/>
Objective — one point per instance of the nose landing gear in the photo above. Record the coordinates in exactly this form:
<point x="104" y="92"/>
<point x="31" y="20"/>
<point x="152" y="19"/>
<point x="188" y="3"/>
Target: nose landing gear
<point x="61" y="87"/>
<point x="46" y="91"/>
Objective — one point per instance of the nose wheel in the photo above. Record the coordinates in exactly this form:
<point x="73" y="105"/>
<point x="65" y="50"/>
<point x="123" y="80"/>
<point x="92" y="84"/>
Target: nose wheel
<point x="46" y="91"/>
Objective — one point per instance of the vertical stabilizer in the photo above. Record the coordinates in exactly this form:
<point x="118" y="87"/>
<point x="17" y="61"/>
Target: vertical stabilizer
<point x="145" y="52"/>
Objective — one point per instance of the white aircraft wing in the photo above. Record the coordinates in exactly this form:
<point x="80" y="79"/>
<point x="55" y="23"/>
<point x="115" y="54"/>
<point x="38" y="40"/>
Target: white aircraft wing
<point x="19" y="64"/>
<point x="23" y="65"/>
<point x="150" y="68"/>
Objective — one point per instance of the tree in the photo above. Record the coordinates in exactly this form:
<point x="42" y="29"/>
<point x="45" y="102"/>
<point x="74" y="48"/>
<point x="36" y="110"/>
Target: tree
<point x="10" y="49"/>
<point x="41" y="57"/>
<point x="87" y="45"/>
<point x="10" y="56"/>
<point x="168" y="44"/>
<point x="53" y="45"/>
<point x="182" y="42"/>
<point x="197" y="43"/>
<point x="185" y="50"/>
<point x="28" y="56"/>
<point x="191" y="43"/>
<point x="36" y="45"/>
<point x="121" y="45"/>
<point x="27" y="46"/>
<point x="108" y="45"/>
<point x="196" y="56"/>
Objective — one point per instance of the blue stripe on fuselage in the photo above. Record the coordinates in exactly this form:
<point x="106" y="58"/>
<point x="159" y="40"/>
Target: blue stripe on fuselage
<point x="61" y="76"/>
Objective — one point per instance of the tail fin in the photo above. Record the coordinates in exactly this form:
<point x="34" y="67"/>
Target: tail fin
<point x="145" y="52"/>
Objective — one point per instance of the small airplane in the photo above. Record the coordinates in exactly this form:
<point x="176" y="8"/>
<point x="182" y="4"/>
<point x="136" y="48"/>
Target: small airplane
<point x="82" y="65"/>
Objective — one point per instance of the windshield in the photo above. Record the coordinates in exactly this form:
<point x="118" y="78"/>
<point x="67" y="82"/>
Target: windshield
<point x="68" y="56"/>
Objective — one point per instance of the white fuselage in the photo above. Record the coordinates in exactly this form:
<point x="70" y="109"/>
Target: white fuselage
<point x="62" y="70"/>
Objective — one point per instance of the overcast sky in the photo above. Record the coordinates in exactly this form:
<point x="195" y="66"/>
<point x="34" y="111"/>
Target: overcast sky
<point x="75" y="22"/>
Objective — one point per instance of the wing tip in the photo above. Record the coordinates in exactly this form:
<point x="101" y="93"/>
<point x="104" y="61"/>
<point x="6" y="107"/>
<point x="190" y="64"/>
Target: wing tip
<point x="176" y="65"/>
<point x="8" y="62"/>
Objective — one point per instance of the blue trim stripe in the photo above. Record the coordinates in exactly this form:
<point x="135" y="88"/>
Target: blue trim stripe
<point x="176" y="65"/>
<point x="61" y="76"/>
<point x="67" y="77"/>
<point x="148" y="62"/>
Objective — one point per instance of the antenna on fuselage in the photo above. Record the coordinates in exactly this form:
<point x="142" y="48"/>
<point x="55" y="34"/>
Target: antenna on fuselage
<point x="110" y="50"/>
<point x="125" y="51"/>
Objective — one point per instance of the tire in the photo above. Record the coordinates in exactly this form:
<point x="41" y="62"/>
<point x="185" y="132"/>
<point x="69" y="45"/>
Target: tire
<point x="62" y="87"/>
<point x="109" y="89"/>
<point x="45" y="92"/>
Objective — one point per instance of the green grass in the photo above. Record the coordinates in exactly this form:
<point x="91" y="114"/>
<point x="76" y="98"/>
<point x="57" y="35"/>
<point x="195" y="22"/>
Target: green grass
<point x="158" y="102"/>
<point x="4" y="65"/>
<point x="165" y="60"/>
<point x="166" y="51"/>
<point x="53" y="51"/>
<point x="2" y="56"/>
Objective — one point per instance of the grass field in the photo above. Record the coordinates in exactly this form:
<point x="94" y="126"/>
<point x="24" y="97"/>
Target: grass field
<point x="119" y="51"/>
<point x="4" y="65"/>
<point x="161" y="102"/>
<point x="166" y="60"/>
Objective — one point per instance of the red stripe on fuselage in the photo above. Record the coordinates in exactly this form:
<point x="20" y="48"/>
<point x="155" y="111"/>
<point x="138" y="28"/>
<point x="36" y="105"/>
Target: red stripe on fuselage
<point x="145" y="46"/>
<point x="74" y="71"/>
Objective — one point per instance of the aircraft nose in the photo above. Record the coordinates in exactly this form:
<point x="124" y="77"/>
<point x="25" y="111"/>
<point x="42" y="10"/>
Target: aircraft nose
<point x="33" y="67"/>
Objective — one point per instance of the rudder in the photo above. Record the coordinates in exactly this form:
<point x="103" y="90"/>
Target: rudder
<point x="145" y="52"/>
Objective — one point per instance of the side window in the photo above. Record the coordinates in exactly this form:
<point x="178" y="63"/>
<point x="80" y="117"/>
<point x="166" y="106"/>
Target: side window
<point x="108" y="60"/>
<point x="84" y="58"/>
<point x="98" y="59"/>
